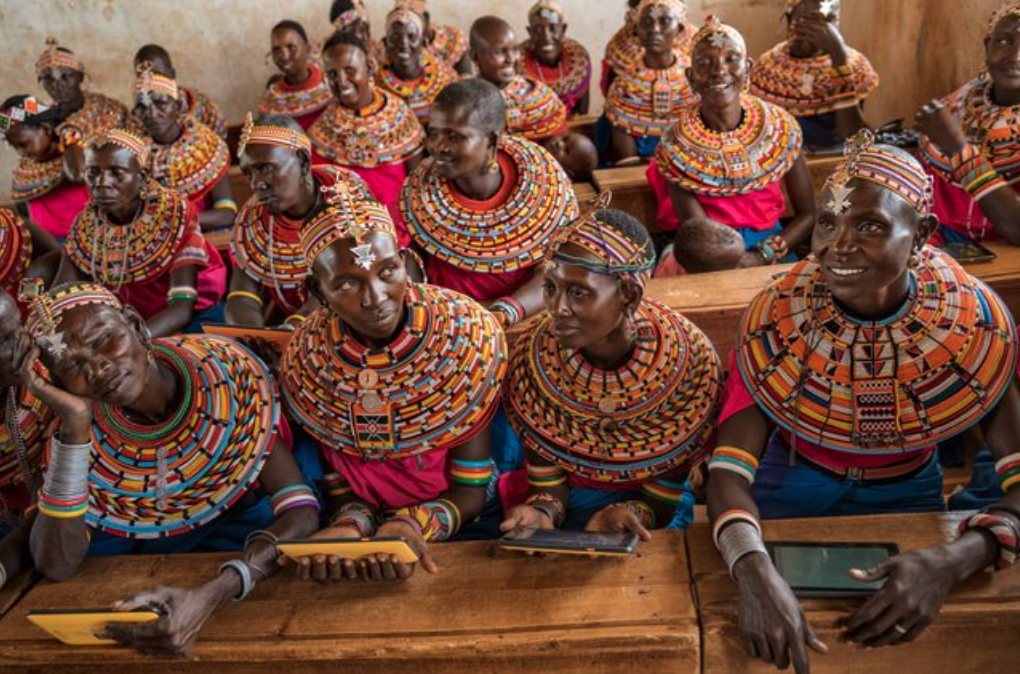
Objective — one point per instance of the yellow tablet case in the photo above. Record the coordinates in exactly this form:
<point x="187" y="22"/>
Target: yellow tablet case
<point x="79" y="627"/>
<point x="351" y="549"/>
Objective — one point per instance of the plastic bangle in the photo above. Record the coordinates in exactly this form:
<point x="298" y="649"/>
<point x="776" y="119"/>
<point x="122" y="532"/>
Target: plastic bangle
<point x="246" y="295"/>
<point x="247" y="582"/>
<point x="227" y="204"/>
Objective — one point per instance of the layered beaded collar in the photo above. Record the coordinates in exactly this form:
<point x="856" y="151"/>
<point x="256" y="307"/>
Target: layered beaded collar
<point x="194" y="163"/>
<point x="15" y="250"/>
<point x="384" y="132"/>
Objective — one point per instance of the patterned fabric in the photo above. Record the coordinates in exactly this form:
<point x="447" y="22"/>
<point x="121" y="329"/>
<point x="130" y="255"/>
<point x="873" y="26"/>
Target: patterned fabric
<point x="98" y="113"/>
<point x="158" y="241"/>
<point x="173" y="477"/>
<point x="645" y="102"/>
<point x="448" y="43"/>
<point x="312" y="95"/>
<point x="757" y="153"/>
<point x="15" y="250"/>
<point x="33" y="179"/>
<point x="193" y="164"/>
<point x="34" y="424"/>
<point x="434" y="386"/>
<point x="811" y="86"/>
<point x="652" y="416"/>
<point x="907" y="382"/>
<point x="419" y="93"/>
<point x="510" y="237"/>
<point x="201" y="108"/>
<point x="384" y="132"/>
<point x="569" y="79"/>
<point x="532" y="109"/>
<point x="267" y="247"/>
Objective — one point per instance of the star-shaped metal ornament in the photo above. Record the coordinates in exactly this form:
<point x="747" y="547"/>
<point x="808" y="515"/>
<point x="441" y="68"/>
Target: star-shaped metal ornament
<point x="363" y="255"/>
<point x="840" y="201"/>
<point x="718" y="39"/>
<point x="828" y="7"/>
<point x="55" y="344"/>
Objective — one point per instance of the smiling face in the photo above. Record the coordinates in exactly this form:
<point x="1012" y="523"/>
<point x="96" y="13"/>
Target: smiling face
<point x="459" y="147"/>
<point x="370" y="301"/>
<point x="404" y="43"/>
<point x="62" y="84"/>
<point x="350" y="75"/>
<point x="10" y="333"/>
<point x="289" y="52"/>
<point x="114" y="176"/>
<point x="658" y="29"/>
<point x="160" y="115"/>
<point x="546" y="31"/>
<point x="1002" y="55"/>
<point x="277" y="175"/>
<point x="497" y="55"/>
<point x="863" y="251"/>
<point x="719" y="71"/>
<point x="35" y="142"/>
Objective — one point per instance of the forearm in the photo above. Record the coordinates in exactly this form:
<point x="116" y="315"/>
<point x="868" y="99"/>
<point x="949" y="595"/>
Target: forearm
<point x="173" y="319"/>
<point x="59" y="538"/>
<point x="216" y="218"/>
<point x="850" y="120"/>
<point x="799" y="229"/>
<point x="242" y="309"/>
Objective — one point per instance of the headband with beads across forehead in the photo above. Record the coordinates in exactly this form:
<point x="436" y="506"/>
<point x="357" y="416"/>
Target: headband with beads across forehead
<point x="356" y="13"/>
<point x="678" y="8"/>
<point x="53" y="57"/>
<point x="716" y="32"/>
<point x="546" y="6"/>
<point x="126" y="139"/>
<point x="261" y="134"/>
<point x="149" y="82"/>
<point x="1008" y="9"/>
<point x="48" y="307"/>
<point x="349" y="214"/>
<point x="406" y="11"/>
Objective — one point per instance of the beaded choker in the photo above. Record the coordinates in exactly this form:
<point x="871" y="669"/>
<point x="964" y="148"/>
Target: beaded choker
<point x="652" y="416"/>
<point x="927" y="373"/>
<point x="448" y="43"/>
<point x="573" y="73"/>
<point x="306" y="98"/>
<point x="420" y="92"/>
<point x="139" y="251"/>
<point x="811" y="86"/>
<point x="385" y="132"/>
<point x="510" y="236"/>
<point x="170" y="478"/>
<point x="435" y="386"/>
<point x="15" y="249"/>
<point x="532" y="109"/>
<point x="644" y="102"/>
<point x="754" y="155"/>
<point x="33" y="179"/>
<point x="194" y="163"/>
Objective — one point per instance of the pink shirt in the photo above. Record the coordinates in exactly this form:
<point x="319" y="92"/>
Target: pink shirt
<point x="393" y="483"/>
<point x="55" y="211"/>
<point x="956" y="210"/>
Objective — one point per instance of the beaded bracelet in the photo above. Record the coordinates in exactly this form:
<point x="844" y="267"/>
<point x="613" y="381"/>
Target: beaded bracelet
<point x="545" y="477"/>
<point x="975" y="173"/>
<point x="550" y="505"/>
<point x="437" y="520"/>
<point x="294" y="496"/>
<point x="358" y="515"/>
<point x="1008" y="470"/>
<point x="184" y="293"/>
<point x="247" y="582"/>
<point x="509" y="307"/>
<point x="226" y="204"/>
<point x="730" y="517"/>
<point x="246" y="295"/>
<point x="734" y="460"/>
<point x="298" y="318"/>
<point x="1006" y="534"/>
<point x="336" y="485"/>
<point x="641" y="510"/>
<point x="471" y="473"/>
<point x="766" y="251"/>
<point x="667" y="491"/>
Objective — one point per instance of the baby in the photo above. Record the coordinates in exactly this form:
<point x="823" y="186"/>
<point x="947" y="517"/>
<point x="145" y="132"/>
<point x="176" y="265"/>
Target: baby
<point x="701" y="245"/>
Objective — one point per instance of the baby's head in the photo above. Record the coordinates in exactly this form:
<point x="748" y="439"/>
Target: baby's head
<point x="576" y="153"/>
<point x="703" y="245"/>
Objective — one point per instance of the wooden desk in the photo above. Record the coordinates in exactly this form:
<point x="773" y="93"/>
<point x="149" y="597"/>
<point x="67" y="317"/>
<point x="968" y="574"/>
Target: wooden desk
<point x="486" y="611"/>
<point x="976" y="631"/>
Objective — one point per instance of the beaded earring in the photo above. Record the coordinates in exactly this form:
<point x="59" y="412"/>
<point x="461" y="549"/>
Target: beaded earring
<point x="914" y="261"/>
<point x="492" y="166"/>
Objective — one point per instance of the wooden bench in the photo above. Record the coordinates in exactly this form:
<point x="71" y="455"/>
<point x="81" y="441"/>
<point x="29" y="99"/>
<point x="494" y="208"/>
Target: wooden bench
<point x="976" y="631"/>
<point x="485" y="611"/>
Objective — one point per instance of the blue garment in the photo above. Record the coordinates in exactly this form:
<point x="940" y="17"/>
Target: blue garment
<point x="821" y="131"/>
<point x="753" y="237"/>
<point x="983" y="489"/>
<point x="953" y="236"/>
<point x="507" y="453"/>
<point x="602" y="133"/>
<point x="217" y="313"/>
<point x="782" y="491"/>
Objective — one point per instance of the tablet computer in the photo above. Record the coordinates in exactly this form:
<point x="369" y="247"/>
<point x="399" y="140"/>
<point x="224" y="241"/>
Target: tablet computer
<point x="79" y="627"/>
<point x="350" y="548"/>
<point x="572" y="542"/>
<point x="276" y="337"/>
<point x="966" y="252"/>
<point x="822" y="569"/>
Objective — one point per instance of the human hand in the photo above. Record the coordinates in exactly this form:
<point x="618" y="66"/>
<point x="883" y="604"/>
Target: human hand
<point x="183" y="612"/>
<point x="618" y="518"/>
<point x="938" y="122"/>
<point x="524" y="518"/>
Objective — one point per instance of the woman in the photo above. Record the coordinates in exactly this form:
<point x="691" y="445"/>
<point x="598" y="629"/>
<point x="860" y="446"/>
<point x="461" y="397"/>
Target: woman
<point x="969" y="144"/>
<point x="351" y="17"/>
<point x="613" y="395"/>
<point x="647" y="94"/>
<point x="410" y="70"/>
<point x="163" y="446"/>
<point x="532" y="109"/>
<point x="815" y="75"/>
<point x="865" y="357"/>
<point x="397" y="382"/>
<point x="141" y="240"/>
<point x="301" y="90"/>
<point x="365" y="129"/>
<point x="624" y="49"/>
<point x="728" y="157"/>
<point x="196" y="105"/>
<point x="269" y="264"/>
<point x="555" y="60"/>
<point x="82" y="115"/>
<point x="448" y="43"/>
<point x="483" y="207"/>
<point x="185" y="155"/>
<point x="41" y="188"/>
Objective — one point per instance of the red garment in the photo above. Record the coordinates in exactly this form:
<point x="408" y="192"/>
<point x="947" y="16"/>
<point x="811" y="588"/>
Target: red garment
<point x="956" y="210"/>
<point x="56" y="210"/>
<point x="393" y="483"/>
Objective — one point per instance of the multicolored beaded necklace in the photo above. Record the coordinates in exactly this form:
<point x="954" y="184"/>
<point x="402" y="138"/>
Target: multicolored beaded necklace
<point x="15" y="250"/>
<point x="508" y="237"/>
<point x="23" y="435"/>
<point x="928" y="372"/>
<point x="384" y="132"/>
<point x="303" y="99"/>
<point x="533" y="110"/>
<point x="448" y="43"/>
<point x="139" y="251"/>
<point x="573" y="72"/>
<point x="98" y="113"/>
<point x="624" y="49"/>
<point x="652" y="416"/>
<point x="170" y="478"/>
<point x="434" y="75"/>
<point x="268" y="247"/>
<point x="194" y="163"/>
<point x="754" y="155"/>
<point x="810" y="86"/>
<point x="645" y="102"/>
<point x="434" y="386"/>
<point x="33" y="179"/>
<point x="201" y="108"/>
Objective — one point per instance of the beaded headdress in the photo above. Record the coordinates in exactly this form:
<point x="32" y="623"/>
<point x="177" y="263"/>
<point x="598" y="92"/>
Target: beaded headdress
<point x="48" y="307"/>
<point x="406" y="11"/>
<point x="546" y="6"/>
<point x="262" y="134"/>
<point x="54" y="57"/>
<point x="678" y="8"/>
<point x="615" y="254"/>
<point x="900" y="173"/>
<point x="716" y="31"/>
<point x="1008" y="9"/>
<point x="350" y="214"/>
<point x="149" y="82"/>
<point x="126" y="139"/>
<point x="17" y="114"/>
<point x="826" y="7"/>
<point x="357" y="12"/>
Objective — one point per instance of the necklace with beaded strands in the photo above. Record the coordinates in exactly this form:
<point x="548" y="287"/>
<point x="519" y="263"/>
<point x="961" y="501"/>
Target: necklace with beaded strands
<point x="27" y="422"/>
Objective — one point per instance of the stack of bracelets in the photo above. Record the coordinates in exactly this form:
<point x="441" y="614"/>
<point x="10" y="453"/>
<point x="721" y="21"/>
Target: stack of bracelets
<point x="512" y="310"/>
<point x="736" y="532"/>
<point x="995" y="518"/>
<point x="550" y="505"/>
<point x="358" y="515"/>
<point x="65" y="491"/>
<point x="975" y="172"/>
<point x="773" y="249"/>
<point x="434" y="520"/>
<point x="182" y="294"/>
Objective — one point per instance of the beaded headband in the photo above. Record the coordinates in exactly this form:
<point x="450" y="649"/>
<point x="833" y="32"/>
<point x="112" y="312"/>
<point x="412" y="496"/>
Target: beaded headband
<point x="53" y="57"/>
<point x="865" y="160"/>
<point x="826" y="7"/>
<point x="149" y="82"/>
<point x="17" y="114"/>
<point x="716" y="31"/>
<point x="616" y="255"/>
<point x="356" y="13"/>
<point x="546" y="6"/>
<point x="126" y="139"/>
<point x="406" y="11"/>
<point x="677" y="8"/>
<point x="48" y="307"/>
<point x="349" y="214"/>
<point x="272" y="135"/>
<point x="1008" y="9"/>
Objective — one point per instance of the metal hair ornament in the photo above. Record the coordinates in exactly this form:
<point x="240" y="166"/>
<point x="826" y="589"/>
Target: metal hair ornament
<point x="148" y="82"/>
<point x="677" y="8"/>
<point x="271" y="135"/>
<point x="717" y="32"/>
<point x="349" y="214"/>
